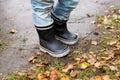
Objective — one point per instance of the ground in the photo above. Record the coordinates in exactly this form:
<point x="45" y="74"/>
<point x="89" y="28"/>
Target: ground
<point x="18" y="47"/>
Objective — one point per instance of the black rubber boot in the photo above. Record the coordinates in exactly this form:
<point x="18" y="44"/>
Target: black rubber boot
<point x="62" y="32"/>
<point x="49" y="44"/>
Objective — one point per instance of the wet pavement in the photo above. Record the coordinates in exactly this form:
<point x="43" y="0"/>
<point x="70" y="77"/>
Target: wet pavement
<point x="17" y="14"/>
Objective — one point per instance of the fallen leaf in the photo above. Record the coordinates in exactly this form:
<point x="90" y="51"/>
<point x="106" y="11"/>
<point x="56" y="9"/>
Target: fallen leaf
<point x="73" y="74"/>
<point x="31" y="77"/>
<point x="93" y="22"/>
<point x="13" y="31"/>
<point x="92" y="61"/>
<point x="96" y="78"/>
<point x="94" y="42"/>
<point x="54" y="75"/>
<point x="32" y="59"/>
<point x="39" y="53"/>
<point x="119" y="11"/>
<point x="65" y="77"/>
<point x="97" y="64"/>
<point x="41" y="76"/>
<point x="113" y="68"/>
<point x="112" y="43"/>
<point x="84" y="65"/>
<point x="47" y="73"/>
<point x="109" y="27"/>
<point x="106" y="77"/>
<point x="67" y="68"/>
<point x="88" y="15"/>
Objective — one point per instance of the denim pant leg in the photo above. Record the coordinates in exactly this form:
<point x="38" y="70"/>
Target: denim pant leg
<point x="41" y="12"/>
<point x="63" y="8"/>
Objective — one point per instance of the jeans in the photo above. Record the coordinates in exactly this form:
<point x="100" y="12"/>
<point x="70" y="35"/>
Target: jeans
<point x="41" y="10"/>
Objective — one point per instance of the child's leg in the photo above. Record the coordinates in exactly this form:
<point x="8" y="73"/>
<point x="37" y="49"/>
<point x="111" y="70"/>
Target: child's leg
<point x="63" y="8"/>
<point x="60" y="13"/>
<point x="41" y="12"/>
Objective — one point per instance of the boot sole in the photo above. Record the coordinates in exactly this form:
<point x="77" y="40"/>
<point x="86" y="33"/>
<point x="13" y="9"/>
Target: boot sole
<point x="67" y="41"/>
<point x="53" y="54"/>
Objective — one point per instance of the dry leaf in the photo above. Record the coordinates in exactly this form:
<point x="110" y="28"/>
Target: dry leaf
<point x="47" y="73"/>
<point x="65" y="77"/>
<point x="39" y="53"/>
<point x="112" y="43"/>
<point x="106" y="77"/>
<point x="54" y="75"/>
<point x="96" y="78"/>
<point x="31" y="77"/>
<point x="92" y="61"/>
<point x="113" y="68"/>
<point x="68" y="67"/>
<point x="109" y="27"/>
<point x="84" y="65"/>
<point x="119" y="11"/>
<point x="73" y="74"/>
<point x="94" y="42"/>
<point x="32" y="59"/>
<point x="88" y="15"/>
<point x="93" y="22"/>
<point x="41" y="76"/>
<point x="13" y="31"/>
<point x="97" y="64"/>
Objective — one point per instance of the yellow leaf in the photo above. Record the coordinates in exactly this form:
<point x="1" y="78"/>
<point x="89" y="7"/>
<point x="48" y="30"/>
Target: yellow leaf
<point x="84" y="65"/>
<point x="98" y="78"/>
<point x="65" y="77"/>
<point x="41" y="76"/>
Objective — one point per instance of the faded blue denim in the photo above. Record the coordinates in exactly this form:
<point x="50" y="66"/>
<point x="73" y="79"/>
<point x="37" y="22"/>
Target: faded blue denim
<point x="41" y="10"/>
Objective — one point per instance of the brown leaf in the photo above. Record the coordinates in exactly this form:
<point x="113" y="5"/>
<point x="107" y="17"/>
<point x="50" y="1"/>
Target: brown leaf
<point x="31" y="77"/>
<point x="97" y="64"/>
<point x="32" y="59"/>
<point x="67" y="68"/>
<point x="112" y="43"/>
<point x="73" y="74"/>
<point x="54" y="75"/>
<point x="13" y="31"/>
<point x="92" y="61"/>
<point x="96" y="78"/>
<point x="47" y="73"/>
<point x="39" y="53"/>
<point x="106" y="77"/>
<point x="65" y="77"/>
<point x="88" y="15"/>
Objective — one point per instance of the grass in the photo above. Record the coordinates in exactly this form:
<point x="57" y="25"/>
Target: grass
<point x="1" y="42"/>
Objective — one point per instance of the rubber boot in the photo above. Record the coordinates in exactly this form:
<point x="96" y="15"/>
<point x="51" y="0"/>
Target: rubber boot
<point x="49" y="44"/>
<point x="62" y="32"/>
